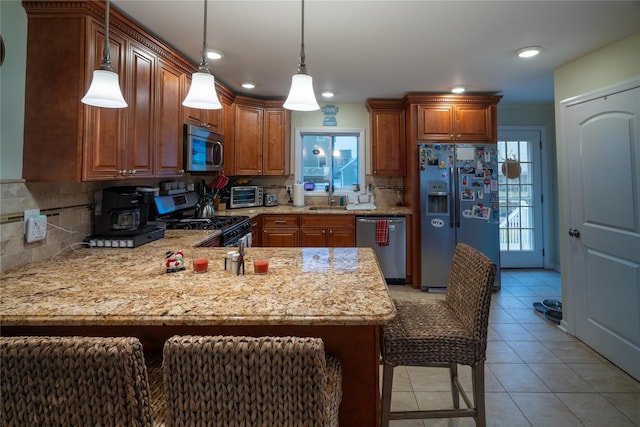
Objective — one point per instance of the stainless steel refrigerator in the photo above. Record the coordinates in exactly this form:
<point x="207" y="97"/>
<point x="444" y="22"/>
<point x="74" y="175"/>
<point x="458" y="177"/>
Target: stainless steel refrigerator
<point x="459" y="202"/>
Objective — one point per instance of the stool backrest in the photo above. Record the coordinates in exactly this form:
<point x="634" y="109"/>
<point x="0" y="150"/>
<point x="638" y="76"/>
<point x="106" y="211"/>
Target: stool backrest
<point x="226" y="380"/>
<point x="73" y="381"/>
<point x="471" y="278"/>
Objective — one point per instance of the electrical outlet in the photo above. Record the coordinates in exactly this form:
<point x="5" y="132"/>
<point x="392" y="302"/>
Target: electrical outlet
<point x="289" y="189"/>
<point x="36" y="228"/>
<point x="29" y="213"/>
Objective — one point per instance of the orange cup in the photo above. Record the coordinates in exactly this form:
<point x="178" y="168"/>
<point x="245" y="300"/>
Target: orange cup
<point x="200" y="265"/>
<point x="260" y="266"/>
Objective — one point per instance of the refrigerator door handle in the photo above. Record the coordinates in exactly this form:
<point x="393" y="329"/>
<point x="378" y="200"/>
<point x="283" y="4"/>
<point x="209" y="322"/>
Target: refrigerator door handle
<point x="457" y="198"/>
<point x="452" y="198"/>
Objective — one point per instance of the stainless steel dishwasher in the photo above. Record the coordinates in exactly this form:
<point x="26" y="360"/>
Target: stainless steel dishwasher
<point x="392" y="258"/>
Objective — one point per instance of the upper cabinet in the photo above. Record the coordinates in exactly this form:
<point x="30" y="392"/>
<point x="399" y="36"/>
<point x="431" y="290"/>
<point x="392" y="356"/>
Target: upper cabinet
<point x="67" y="141"/>
<point x="261" y="138"/>
<point x="388" y="148"/>
<point x="455" y="118"/>
<point x="213" y="120"/>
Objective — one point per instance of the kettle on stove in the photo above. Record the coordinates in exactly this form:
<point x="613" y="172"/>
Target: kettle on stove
<point x="204" y="207"/>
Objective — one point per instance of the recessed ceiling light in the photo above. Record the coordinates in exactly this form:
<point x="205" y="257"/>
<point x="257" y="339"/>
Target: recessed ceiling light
<point x="458" y="89"/>
<point x="529" y="52"/>
<point x="327" y="94"/>
<point x="248" y="85"/>
<point x="214" y="54"/>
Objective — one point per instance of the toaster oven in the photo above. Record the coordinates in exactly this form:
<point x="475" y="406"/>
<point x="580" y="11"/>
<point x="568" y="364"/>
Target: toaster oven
<point x="245" y="196"/>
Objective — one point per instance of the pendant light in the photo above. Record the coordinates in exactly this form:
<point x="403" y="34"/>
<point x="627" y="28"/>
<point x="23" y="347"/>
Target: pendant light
<point x="301" y="96"/>
<point x="105" y="88"/>
<point x="202" y="93"/>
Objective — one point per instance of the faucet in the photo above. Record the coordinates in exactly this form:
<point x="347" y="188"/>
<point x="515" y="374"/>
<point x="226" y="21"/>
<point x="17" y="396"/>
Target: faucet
<point x="330" y="200"/>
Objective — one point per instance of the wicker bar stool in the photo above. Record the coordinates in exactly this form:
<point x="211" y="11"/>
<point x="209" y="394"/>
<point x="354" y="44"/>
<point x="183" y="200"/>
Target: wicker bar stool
<point x="443" y="333"/>
<point x="73" y="381"/>
<point x="245" y="381"/>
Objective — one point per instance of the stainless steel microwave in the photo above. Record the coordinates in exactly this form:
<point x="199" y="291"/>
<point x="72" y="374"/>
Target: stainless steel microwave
<point x="203" y="150"/>
<point x="245" y="196"/>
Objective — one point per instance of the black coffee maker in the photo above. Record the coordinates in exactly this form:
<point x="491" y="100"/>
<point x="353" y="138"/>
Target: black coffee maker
<point x="121" y="211"/>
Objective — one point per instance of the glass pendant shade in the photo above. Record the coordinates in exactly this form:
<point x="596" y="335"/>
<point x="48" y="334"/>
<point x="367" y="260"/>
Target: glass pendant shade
<point x="104" y="91"/>
<point x="202" y="93"/>
<point x="301" y="96"/>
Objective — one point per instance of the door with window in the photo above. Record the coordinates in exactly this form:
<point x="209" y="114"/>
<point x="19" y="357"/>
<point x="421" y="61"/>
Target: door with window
<point x="521" y="241"/>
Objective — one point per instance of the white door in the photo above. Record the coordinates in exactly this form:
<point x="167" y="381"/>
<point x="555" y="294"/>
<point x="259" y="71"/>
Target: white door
<point x="601" y="170"/>
<point x="521" y="199"/>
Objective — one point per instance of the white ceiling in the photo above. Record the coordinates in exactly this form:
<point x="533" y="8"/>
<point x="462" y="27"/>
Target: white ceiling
<point x="384" y="49"/>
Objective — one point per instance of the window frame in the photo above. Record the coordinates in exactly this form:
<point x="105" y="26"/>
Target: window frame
<point x="360" y="132"/>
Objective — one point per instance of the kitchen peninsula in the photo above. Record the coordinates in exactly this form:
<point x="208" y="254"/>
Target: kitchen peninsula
<point x="338" y="294"/>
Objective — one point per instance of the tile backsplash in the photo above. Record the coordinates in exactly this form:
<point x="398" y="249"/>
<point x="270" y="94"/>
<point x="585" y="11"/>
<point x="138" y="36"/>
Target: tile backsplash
<point x="69" y="215"/>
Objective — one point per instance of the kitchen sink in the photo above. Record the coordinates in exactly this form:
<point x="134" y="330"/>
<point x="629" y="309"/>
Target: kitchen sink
<point x="327" y="208"/>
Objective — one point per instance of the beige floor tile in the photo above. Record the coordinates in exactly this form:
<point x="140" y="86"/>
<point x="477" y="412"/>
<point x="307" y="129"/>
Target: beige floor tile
<point x="606" y="378"/>
<point x="592" y="409"/>
<point x="518" y="378"/>
<point x="627" y="403"/>
<point x="500" y="315"/>
<point x="500" y="352"/>
<point x="561" y="379"/>
<point x="573" y="352"/>
<point x="545" y="410"/>
<point x="533" y="352"/>
<point x="527" y="315"/>
<point x="513" y="332"/>
<point x="548" y="331"/>
<point x="503" y="412"/>
<point x="403" y="401"/>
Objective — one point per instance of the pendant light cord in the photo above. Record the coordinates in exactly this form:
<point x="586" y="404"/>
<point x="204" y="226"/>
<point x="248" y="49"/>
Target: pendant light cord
<point x="204" y="65"/>
<point x="106" y="52"/>
<point x="302" y="67"/>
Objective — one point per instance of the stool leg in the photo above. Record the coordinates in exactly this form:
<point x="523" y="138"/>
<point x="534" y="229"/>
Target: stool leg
<point x="477" y="378"/>
<point x="455" y="393"/>
<point x="387" y="384"/>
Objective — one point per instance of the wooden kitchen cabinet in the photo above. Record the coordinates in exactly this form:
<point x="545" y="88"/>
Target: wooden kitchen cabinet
<point x="213" y="120"/>
<point x="327" y="231"/>
<point x="169" y="121"/>
<point x="261" y="137"/>
<point x="388" y="147"/>
<point x="256" y="226"/>
<point x="280" y="230"/>
<point x="67" y="141"/>
<point x="463" y="119"/>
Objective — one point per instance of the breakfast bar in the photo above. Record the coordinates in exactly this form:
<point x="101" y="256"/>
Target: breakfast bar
<point x="337" y="294"/>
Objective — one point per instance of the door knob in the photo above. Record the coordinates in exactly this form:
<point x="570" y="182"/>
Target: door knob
<point x="574" y="233"/>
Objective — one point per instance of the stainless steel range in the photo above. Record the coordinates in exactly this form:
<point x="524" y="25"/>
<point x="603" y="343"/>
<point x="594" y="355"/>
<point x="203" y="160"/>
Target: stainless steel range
<point x="177" y="212"/>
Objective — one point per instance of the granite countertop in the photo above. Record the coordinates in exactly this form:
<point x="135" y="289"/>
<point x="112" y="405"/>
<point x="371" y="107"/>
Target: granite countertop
<point x="307" y="210"/>
<point x="113" y="286"/>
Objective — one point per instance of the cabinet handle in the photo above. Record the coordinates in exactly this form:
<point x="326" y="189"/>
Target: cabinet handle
<point x="133" y="171"/>
<point x="122" y="172"/>
<point x="280" y="221"/>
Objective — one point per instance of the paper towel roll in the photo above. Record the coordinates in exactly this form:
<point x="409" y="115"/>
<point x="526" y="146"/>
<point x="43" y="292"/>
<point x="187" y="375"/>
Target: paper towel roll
<point x="298" y="195"/>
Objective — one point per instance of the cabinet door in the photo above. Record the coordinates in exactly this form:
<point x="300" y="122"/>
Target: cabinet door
<point x="209" y="119"/>
<point x="435" y="122"/>
<point x="275" y="153"/>
<point x="474" y="123"/>
<point x="280" y="237"/>
<point x="388" y="142"/>
<point x="341" y="237"/>
<point x="313" y="237"/>
<point x="104" y="128"/>
<point x="248" y="140"/>
<point x="256" y="231"/>
<point x="169" y="121"/>
<point x="140" y="136"/>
